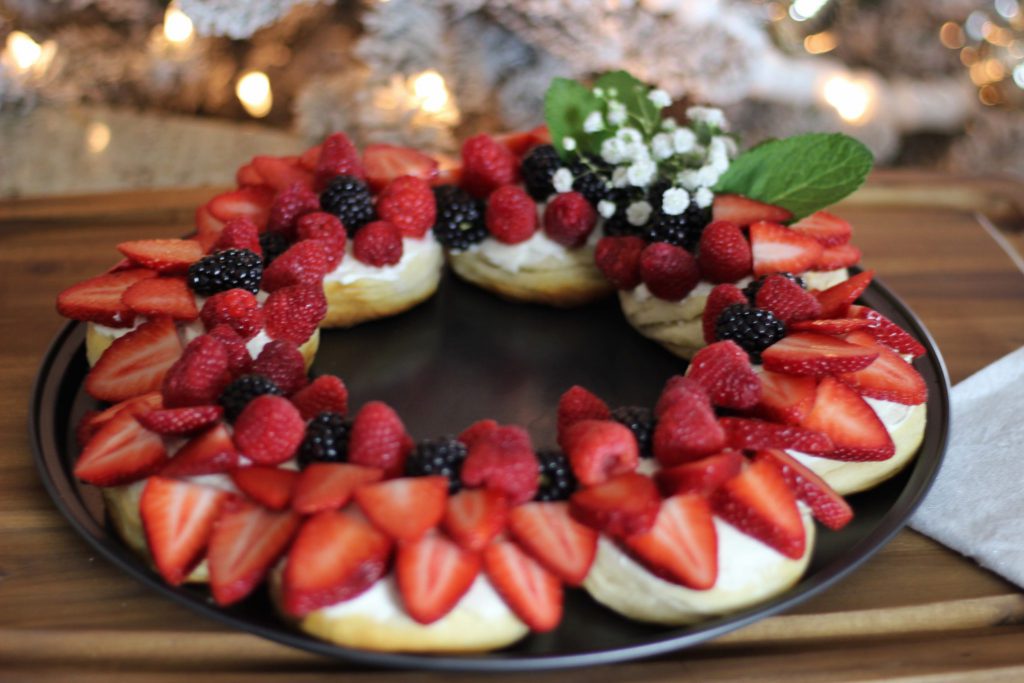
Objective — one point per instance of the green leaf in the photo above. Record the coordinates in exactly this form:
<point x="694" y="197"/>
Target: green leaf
<point x="633" y="93"/>
<point x="802" y="174"/>
<point x="566" y="104"/>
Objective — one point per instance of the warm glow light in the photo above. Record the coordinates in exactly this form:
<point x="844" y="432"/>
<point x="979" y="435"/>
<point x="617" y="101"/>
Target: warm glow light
<point x="968" y="56"/>
<point x="852" y="98"/>
<point x="253" y="90"/>
<point x="801" y="10"/>
<point x="1018" y="75"/>
<point x="23" y="50"/>
<point x="951" y="35"/>
<point x="819" y="43"/>
<point x="990" y="95"/>
<point x="1016" y="49"/>
<point x="994" y="69"/>
<point x="97" y="136"/>
<point x="776" y="12"/>
<point x="430" y="91"/>
<point x="177" y="25"/>
<point x="978" y="74"/>
<point x="1007" y="8"/>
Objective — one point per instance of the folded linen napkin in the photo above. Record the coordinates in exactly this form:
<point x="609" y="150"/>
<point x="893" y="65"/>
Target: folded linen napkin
<point x="976" y="505"/>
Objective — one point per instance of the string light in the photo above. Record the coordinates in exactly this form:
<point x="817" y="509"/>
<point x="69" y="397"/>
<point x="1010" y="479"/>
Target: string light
<point x="430" y="91"/>
<point x="97" y="137"/>
<point x="951" y="35"/>
<point x="177" y="25"/>
<point x="253" y="90"/>
<point x="802" y="10"/>
<point x="820" y="43"/>
<point x="1018" y="75"/>
<point x="23" y="54"/>
<point x="852" y="98"/>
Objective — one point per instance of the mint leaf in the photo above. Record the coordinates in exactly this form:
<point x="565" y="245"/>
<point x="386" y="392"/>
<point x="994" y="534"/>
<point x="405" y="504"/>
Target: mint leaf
<point x="802" y="174"/>
<point x="633" y="93"/>
<point x="566" y="104"/>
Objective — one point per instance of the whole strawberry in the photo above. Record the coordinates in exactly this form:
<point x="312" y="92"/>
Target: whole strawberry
<point x="511" y="215"/>
<point x="288" y="206"/>
<point x="236" y="308"/>
<point x="269" y="430"/>
<point x="303" y="263"/>
<point x="487" y="165"/>
<point x="670" y="272"/>
<point x="338" y="156"/>
<point x="378" y="439"/>
<point x="408" y="204"/>
<point x="723" y="253"/>
<point x="293" y="313"/>
<point x="502" y="459"/>
<point x="378" y="244"/>
<point x="199" y="376"/>
<point x="569" y="219"/>
<point x="619" y="259"/>
<point x="323" y="226"/>
<point x="239" y="233"/>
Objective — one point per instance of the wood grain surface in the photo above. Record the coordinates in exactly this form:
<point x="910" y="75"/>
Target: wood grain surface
<point x="916" y="612"/>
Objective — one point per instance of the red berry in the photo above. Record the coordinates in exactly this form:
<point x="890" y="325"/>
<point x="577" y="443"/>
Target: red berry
<point x="600" y="449"/>
<point x="199" y="376"/>
<point x="569" y="219"/>
<point x="724" y="370"/>
<point x="236" y="308"/>
<point x="511" y="215"/>
<point x="687" y="430"/>
<point x="503" y="460"/>
<point x="827" y="228"/>
<point x="240" y="233"/>
<point x="338" y="156"/>
<point x="622" y="506"/>
<point x="378" y="439"/>
<point x="723" y="253"/>
<point x="487" y="165"/>
<point x="239" y="360"/>
<point x="384" y="163"/>
<point x="160" y="296"/>
<point x="836" y="300"/>
<point x="679" y="388"/>
<point x="670" y="272"/>
<point x="293" y="313"/>
<point x="477" y="430"/>
<point x="788" y="301"/>
<point x="99" y="298"/>
<point x="619" y="259"/>
<point x="165" y="256"/>
<point x="288" y="206"/>
<point x="744" y="433"/>
<point x="579" y="404"/>
<point x="177" y="421"/>
<point x="326" y="393"/>
<point x="303" y="263"/>
<point x="777" y="249"/>
<point x="408" y="204"/>
<point x="328" y="229"/>
<point x="269" y="430"/>
<point x="378" y="244"/>
<point x="282" y="363"/>
<point x="120" y="452"/>
<point x="721" y="297"/>
<point x="834" y="258"/>
<point x="742" y="211"/>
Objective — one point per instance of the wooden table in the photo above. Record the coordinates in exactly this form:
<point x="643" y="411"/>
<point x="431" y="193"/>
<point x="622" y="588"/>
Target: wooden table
<point x="917" y="611"/>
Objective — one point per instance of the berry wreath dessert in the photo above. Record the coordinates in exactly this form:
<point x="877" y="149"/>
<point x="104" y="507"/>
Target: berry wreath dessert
<point x="222" y="462"/>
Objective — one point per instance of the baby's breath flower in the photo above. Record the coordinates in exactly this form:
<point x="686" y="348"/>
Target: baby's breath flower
<point x="616" y="112"/>
<point x="703" y="197"/>
<point x="669" y="124"/>
<point x="593" y="123"/>
<point x="683" y="140"/>
<point x="606" y="208"/>
<point x="674" y="201"/>
<point x="599" y="92"/>
<point x="661" y="145"/>
<point x="711" y="116"/>
<point x="637" y="213"/>
<point x="619" y="177"/>
<point x="629" y="135"/>
<point x="641" y="173"/>
<point x="659" y="97"/>
<point x="569" y="143"/>
<point x="613" y="151"/>
<point x="562" y="180"/>
<point x="707" y="176"/>
<point x="688" y="179"/>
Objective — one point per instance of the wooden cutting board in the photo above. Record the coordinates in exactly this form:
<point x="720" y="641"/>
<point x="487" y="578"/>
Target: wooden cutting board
<point x="917" y="611"/>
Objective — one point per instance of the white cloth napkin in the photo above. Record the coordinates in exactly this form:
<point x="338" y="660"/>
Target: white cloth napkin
<point x="976" y="505"/>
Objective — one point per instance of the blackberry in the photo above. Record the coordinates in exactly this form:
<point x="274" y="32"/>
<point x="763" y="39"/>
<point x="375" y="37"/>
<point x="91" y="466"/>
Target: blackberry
<point x="640" y="421"/>
<point x="683" y="230"/>
<point x="273" y="245"/>
<point x="443" y="456"/>
<point x="326" y="439"/>
<point x="460" y="218"/>
<point x="754" y="286"/>
<point x="348" y="198"/>
<point x="236" y="396"/>
<point x="537" y="168"/>
<point x="618" y="225"/>
<point x="591" y="179"/>
<point x="754" y="329"/>
<point x="557" y="482"/>
<point x="225" y="270"/>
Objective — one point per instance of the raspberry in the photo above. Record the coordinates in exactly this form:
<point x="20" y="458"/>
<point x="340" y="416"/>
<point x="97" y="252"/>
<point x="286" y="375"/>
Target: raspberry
<point x="487" y="165"/>
<point x="724" y="254"/>
<point x="599" y="450"/>
<point x="269" y="430"/>
<point x="503" y="460"/>
<point x="239" y="360"/>
<point x="679" y="389"/>
<point x="338" y="156"/>
<point x="288" y="206"/>
<point x="670" y="272"/>
<point x="724" y="370"/>
<point x="198" y="377"/>
<point x="327" y="228"/>
<point x="236" y="308"/>
<point x="378" y="439"/>
<point x="787" y="300"/>
<point x="619" y="259"/>
<point x="304" y="263"/>
<point x="293" y="313"/>
<point x="569" y="219"/>
<point x="511" y="215"/>
<point x="378" y="244"/>
<point x="408" y="204"/>
<point x="721" y="297"/>
<point x="281" y="362"/>
<point x="240" y="233"/>
<point x="326" y="393"/>
<point x="579" y="404"/>
<point x="477" y="430"/>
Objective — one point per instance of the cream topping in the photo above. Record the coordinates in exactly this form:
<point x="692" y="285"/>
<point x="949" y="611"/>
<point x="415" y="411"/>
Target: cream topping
<point x="382" y="602"/>
<point x="352" y="269"/>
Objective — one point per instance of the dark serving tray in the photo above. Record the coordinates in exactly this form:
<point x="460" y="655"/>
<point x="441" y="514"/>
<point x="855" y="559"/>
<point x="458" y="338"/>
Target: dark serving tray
<point x="466" y="355"/>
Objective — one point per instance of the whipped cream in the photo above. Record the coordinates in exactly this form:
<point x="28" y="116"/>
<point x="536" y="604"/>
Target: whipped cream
<point x="352" y="269"/>
<point x="382" y="602"/>
<point x="703" y="288"/>
<point x="539" y="248"/>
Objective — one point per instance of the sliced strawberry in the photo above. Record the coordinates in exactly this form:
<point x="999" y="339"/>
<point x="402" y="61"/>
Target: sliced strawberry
<point x="599" y="450"/>
<point x="98" y="299"/>
<point x="384" y="163"/>
<point x="433" y="574"/>
<point x="786" y="398"/>
<point x="833" y="326"/>
<point x="724" y="370"/>
<point x="836" y="300"/>
<point x="549" y="533"/>
<point x="153" y="297"/>
<point x="522" y="141"/>
<point x="179" y="421"/>
<point x="405" y="508"/>
<point x="834" y="258"/>
<point x="178" y="518"/>
<point x="309" y="159"/>
<point x="247" y="540"/>
<point x="249" y="202"/>
<point x="335" y="556"/>
<point x="93" y="420"/>
<point x="208" y="228"/>
<point x="533" y="593"/>
<point x="474" y="516"/>
<point x="827" y="228"/>
<point x="700" y="476"/>
<point x="889" y="377"/>
<point x="120" y="452"/>
<point x="135" y="363"/>
<point x="165" y="256"/>
<point x="887" y="332"/>
<point x="856" y="431"/>
<point x="777" y="249"/>
<point x="281" y="173"/>
<point x="687" y="430"/>
<point x="827" y="506"/>
<point x="330" y="485"/>
<point x="808" y="353"/>
<point x="271" y="487"/>
<point x="742" y="211"/>
<point x="624" y="505"/>
<point x="247" y="175"/>
<point x="758" y="503"/>
<point x="208" y="453"/>
<point x="788" y="301"/>
<point x="682" y="546"/>
<point x="680" y="389"/>
<point x="747" y="434"/>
